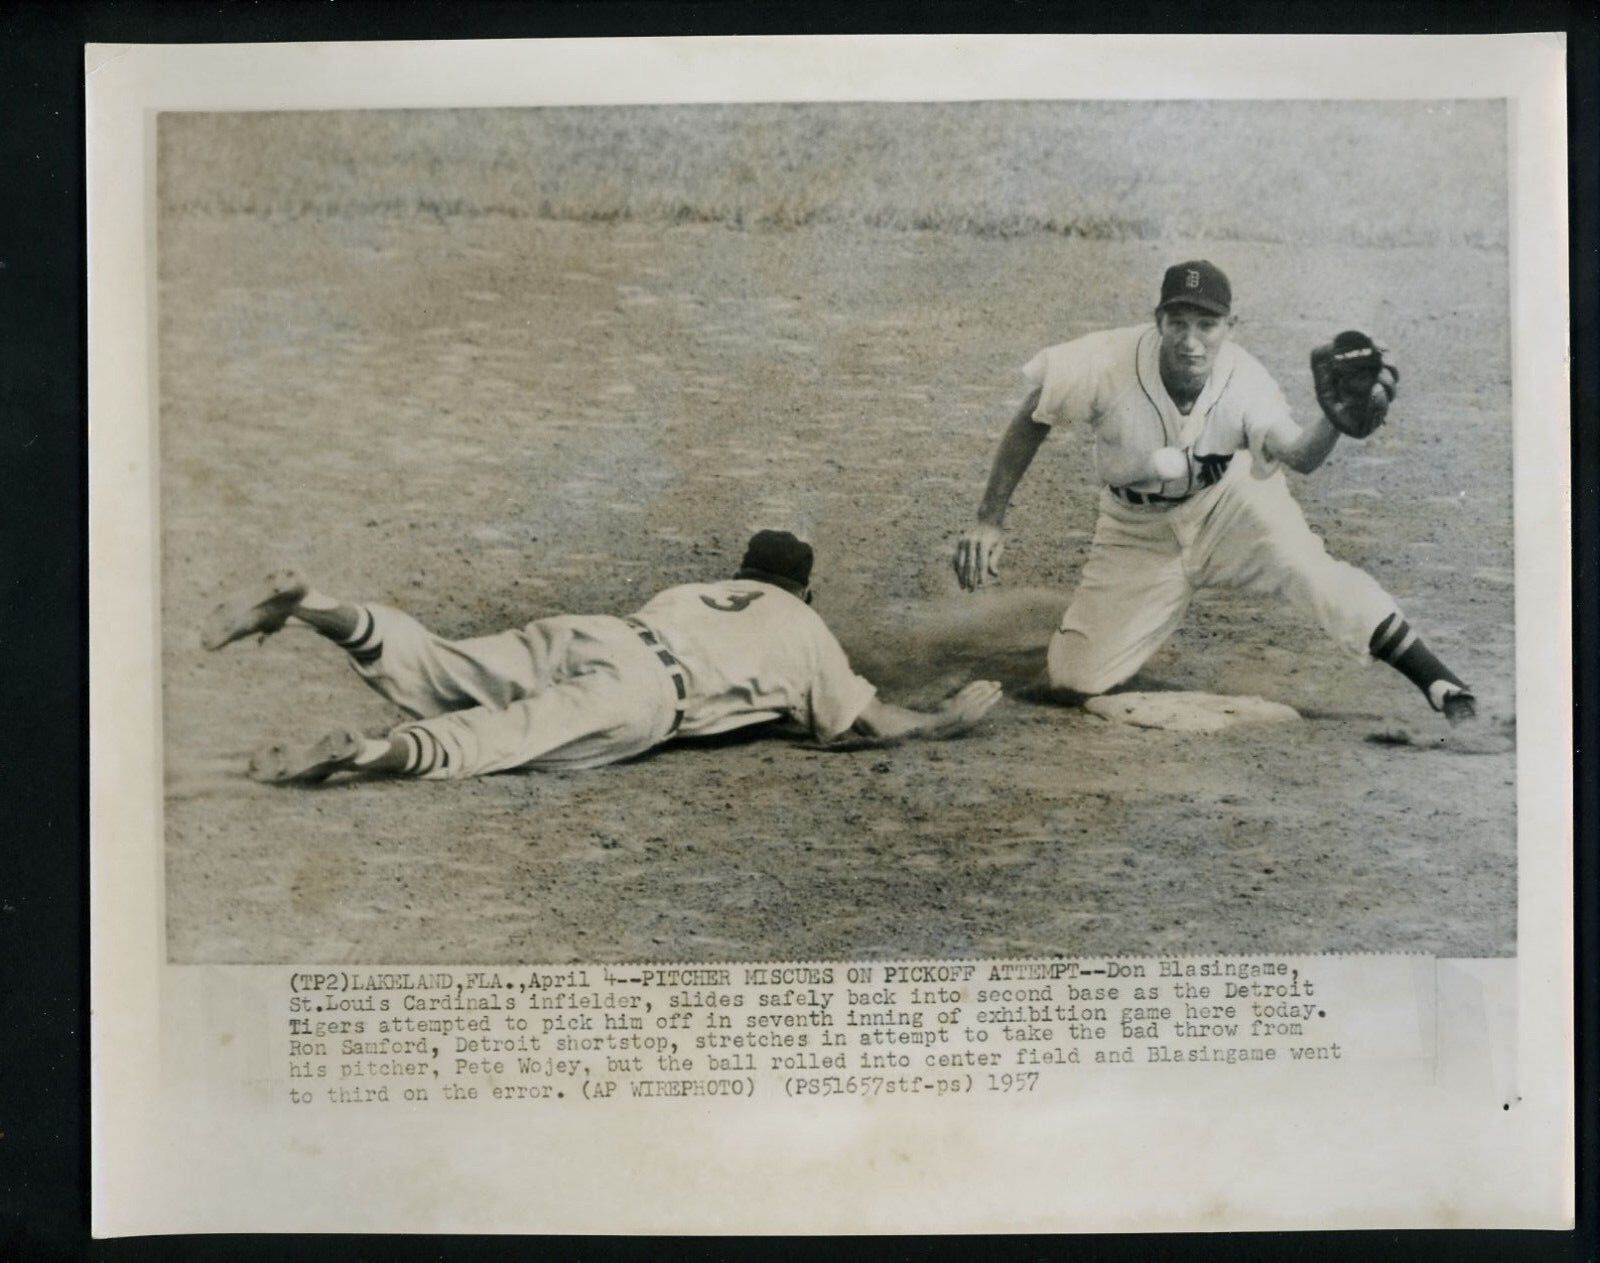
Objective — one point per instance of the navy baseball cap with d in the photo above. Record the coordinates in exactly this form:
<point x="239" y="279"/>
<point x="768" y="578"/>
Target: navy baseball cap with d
<point x="1196" y="283"/>
<point x="777" y="557"/>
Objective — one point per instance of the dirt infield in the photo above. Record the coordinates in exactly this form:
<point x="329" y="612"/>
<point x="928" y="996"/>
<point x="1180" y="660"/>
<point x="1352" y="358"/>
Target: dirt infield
<point x="487" y="419"/>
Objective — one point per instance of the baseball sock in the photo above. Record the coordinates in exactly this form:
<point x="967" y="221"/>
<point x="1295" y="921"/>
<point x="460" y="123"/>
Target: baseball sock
<point x="363" y="643"/>
<point x="1402" y="649"/>
<point x="383" y="754"/>
<point x="421" y="752"/>
<point x="351" y="627"/>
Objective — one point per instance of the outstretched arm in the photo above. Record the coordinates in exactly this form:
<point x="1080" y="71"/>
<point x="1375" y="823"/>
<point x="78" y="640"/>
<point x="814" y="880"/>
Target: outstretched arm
<point x="1355" y="382"/>
<point x="886" y="724"/>
<point x="1301" y="447"/>
<point x="978" y="550"/>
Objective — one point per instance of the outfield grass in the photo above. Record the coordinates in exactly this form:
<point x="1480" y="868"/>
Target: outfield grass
<point x="1355" y="173"/>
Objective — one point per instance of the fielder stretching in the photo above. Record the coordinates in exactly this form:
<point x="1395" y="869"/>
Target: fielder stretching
<point x="580" y="692"/>
<point x="1190" y="433"/>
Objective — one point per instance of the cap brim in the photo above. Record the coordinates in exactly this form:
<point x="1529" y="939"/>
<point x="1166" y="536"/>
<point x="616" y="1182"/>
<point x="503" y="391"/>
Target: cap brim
<point x="1199" y="304"/>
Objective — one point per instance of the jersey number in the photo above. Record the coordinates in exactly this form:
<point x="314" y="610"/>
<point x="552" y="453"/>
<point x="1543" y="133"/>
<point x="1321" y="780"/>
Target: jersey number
<point x="736" y="602"/>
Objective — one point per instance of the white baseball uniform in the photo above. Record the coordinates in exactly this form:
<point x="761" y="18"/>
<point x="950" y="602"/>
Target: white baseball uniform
<point x="583" y="691"/>
<point x="1227" y="521"/>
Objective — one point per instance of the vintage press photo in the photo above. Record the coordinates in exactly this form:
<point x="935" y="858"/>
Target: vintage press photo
<point x="489" y="367"/>
<point x="572" y="525"/>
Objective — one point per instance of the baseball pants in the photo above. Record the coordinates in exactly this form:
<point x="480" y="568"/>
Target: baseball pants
<point x="568" y="692"/>
<point x="1145" y="566"/>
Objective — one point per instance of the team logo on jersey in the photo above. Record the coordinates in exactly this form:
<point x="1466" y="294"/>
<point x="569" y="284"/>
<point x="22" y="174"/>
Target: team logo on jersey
<point x="736" y="601"/>
<point x="1191" y="278"/>
<point x="1212" y="468"/>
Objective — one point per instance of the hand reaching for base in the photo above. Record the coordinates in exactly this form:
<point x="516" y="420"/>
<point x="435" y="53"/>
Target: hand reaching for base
<point x="883" y="723"/>
<point x="968" y="706"/>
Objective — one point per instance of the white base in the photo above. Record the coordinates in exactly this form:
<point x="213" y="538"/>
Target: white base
<point x="1189" y="712"/>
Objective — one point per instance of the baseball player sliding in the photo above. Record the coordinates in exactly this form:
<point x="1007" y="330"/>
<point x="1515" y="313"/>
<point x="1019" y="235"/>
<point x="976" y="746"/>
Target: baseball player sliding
<point x="1190" y="437"/>
<point x="580" y="692"/>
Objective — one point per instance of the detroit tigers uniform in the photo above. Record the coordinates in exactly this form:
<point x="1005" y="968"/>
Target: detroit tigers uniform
<point x="1227" y="520"/>
<point x="583" y="691"/>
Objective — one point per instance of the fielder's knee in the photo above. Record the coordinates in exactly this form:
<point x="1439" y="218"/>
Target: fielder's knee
<point x="1072" y="669"/>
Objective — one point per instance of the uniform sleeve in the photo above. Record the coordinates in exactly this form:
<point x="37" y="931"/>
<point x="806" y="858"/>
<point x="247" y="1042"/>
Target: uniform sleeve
<point x="837" y="695"/>
<point x="1265" y="408"/>
<point x="1068" y="379"/>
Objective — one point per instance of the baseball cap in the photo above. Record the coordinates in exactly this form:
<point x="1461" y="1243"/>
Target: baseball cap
<point x="1196" y="283"/>
<point x="777" y="557"/>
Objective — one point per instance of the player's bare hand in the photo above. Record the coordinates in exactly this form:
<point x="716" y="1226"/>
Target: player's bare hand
<point x="978" y="555"/>
<point x="969" y="706"/>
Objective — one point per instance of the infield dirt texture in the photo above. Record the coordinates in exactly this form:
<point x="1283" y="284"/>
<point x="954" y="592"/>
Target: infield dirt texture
<point x="494" y="366"/>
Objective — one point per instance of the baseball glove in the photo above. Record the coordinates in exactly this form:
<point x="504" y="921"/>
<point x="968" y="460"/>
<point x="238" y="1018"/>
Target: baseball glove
<point x="1355" y="382"/>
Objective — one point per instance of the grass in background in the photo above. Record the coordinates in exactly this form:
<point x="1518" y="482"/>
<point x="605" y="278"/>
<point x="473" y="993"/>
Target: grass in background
<point x="1358" y="173"/>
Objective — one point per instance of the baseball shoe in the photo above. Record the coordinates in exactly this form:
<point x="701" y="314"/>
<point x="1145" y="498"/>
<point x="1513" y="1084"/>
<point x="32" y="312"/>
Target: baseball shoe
<point x="1458" y="706"/>
<point x="257" y="611"/>
<point x="306" y="763"/>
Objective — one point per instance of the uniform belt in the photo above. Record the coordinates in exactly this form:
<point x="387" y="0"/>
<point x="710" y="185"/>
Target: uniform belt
<point x="1209" y="473"/>
<point x="1147" y="497"/>
<point x="680" y="678"/>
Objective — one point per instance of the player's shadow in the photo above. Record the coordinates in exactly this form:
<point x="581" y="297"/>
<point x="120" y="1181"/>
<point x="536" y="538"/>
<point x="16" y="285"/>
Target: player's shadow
<point x="1040" y="692"/>
<point x="753" y="734"/>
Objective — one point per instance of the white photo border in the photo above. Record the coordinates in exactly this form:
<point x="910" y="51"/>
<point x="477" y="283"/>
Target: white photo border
<point x="1524" y="1156"/>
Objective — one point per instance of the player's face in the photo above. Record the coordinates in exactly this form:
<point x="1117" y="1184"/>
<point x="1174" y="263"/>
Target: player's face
<point x="1190" y="340"/>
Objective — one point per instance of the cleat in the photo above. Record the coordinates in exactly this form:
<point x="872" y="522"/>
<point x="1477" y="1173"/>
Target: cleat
<point x="306" y="764"/>
<point x="258" y="611"/>
<point x="1458" y="707"/>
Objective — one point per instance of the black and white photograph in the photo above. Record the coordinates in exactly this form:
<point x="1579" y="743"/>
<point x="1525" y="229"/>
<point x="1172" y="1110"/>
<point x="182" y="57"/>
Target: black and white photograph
<point x="829" y="634"/>
<point x="836" y="531"/>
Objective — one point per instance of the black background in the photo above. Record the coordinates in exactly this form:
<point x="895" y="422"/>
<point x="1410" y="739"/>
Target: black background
<point x="44" y="1015"/>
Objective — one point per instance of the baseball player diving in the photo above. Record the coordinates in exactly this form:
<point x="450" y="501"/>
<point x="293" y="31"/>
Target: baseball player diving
<point x="1191" y="435"/>
<point x="580" y="692"/>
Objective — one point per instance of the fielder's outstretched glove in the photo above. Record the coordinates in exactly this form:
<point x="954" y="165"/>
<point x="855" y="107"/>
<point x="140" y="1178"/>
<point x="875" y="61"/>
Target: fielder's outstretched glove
<point x="1355" y="382"/>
